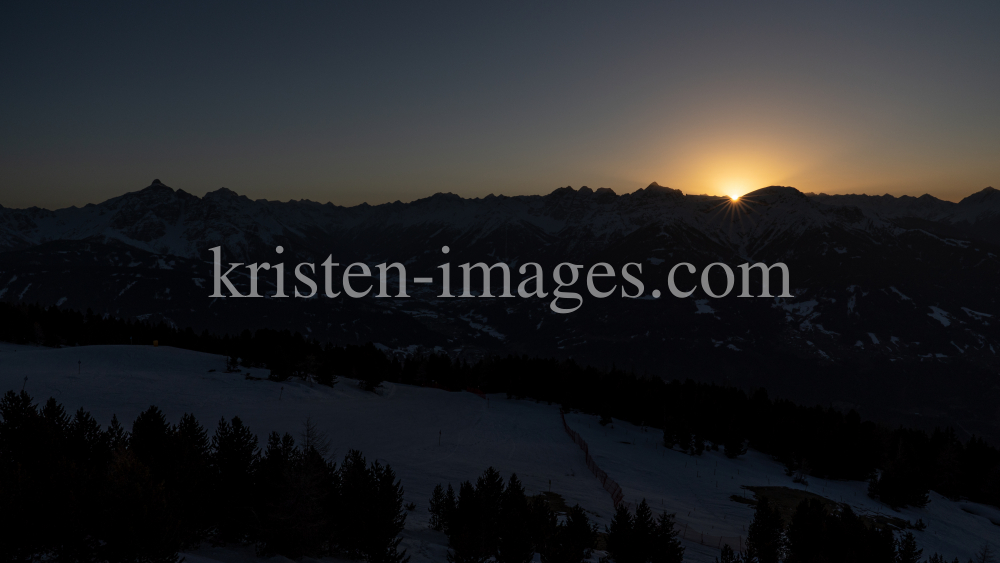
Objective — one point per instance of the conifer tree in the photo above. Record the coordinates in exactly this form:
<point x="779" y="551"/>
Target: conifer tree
<point x="354" y="491"/>
<point x="806" y="533"/>
<point x="643" y="532"/>
<point x="465" y="531"/>
<point x="542" y="523"/>
<point x="117" y="436"/>
<point x="135" y="522"/>
<point x="436" y="507"/>
<point x="667" y="548"/>
<point x="152" y="443"/>
<point x="86" y="456"/>
<point x="668" y="438"/>
<point x="620" y="546"/>
<point x="765" y="536"/>
<point x="313" y="437"/>
<point x="450" y="502"/>
<point x="514" y="545"/>
<point x="984" y="555"/>
<point x="699" y="444"/>
<point x="734" y="445"/>
<point x="274" y="474"/>
<point x="192" y="477"/>
<point x="489" y="490"/>
<point x="906" y="549"/>
<point x="729" y="556"/>
<point x="234" y="460"/>
<point x="371" y="515"/>
<point x="387" y="517"/>
<point x="573" y="541"/>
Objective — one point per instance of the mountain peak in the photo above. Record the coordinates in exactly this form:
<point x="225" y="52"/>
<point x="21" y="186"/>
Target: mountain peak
<point x="776" y="191"/>
<point x="655" y="188"/>
<point x="157" y="185"/>
<point x="986" y="195"/>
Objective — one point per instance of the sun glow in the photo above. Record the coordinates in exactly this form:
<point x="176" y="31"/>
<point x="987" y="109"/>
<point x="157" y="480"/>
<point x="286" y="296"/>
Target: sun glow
<point x="733" y="188"/>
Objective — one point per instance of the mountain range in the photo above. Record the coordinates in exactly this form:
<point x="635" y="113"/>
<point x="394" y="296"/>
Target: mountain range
<point x="894" y="309"/>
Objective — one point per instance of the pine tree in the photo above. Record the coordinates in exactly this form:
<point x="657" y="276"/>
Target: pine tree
<point x="277" y="522"/>
<point x="152" y="443"/>
<point x="542" y="524"/>
<point x="489" y="489"/>
<point x="436" y="507"/>
<point x="668" y="438"/>
<point x="906" y="549"/>
<point x="117" y="436"/>
<point x="353" y="496"/>
<point x="807" y="539"/>
<point x="234" y="459"/>
<point x="643" y="532"/>
<point x="728" y="556"/>
<point x="734" y="446"/>
<point x="314" y="438"/>
<point x="465" y="531"/>
<point x="450" y="502"/>
<point x="387" y="517"/>
<point x="984" y="555"/>
<point x="514" y="545"/>
<point x="135" y="522"/>
<point x="667" y="548"/>
<point x="573" y="541"/>
<point x="699" y="444"/>
<point x="765" y="536"/>
<point x="87" y="454"/>
<point x="191" y="480"/>
<point x="620" y="545"/>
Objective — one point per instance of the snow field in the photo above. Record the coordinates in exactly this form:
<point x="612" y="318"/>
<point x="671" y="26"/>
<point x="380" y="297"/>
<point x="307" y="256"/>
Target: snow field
<point x="401" y="427"/>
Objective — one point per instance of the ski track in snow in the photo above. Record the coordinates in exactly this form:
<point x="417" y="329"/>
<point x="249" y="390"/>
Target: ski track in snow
<point x="400" y="427"/>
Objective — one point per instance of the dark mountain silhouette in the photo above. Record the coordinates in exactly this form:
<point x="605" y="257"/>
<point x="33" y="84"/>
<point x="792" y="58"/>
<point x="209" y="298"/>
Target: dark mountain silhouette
<point x="894" y="309"/>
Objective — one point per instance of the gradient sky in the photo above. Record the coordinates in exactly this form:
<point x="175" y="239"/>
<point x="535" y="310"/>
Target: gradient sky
<point x="377" y="102"/>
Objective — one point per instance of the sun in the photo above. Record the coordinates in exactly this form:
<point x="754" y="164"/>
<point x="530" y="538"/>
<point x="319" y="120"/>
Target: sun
<point x="733" y="189"/>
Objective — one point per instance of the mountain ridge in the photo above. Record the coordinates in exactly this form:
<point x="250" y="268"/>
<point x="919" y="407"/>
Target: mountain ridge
<point x="883" y="289"/>
<point x="159" y="218"/>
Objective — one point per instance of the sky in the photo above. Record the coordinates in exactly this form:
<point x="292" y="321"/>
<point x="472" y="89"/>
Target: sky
<point x="376" y="102"/>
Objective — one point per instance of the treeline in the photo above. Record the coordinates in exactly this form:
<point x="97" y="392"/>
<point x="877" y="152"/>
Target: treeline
<point x="902" y="465"/>
<point x="826" y="532"/>
<point x="490" y="520"/>
<point x="74" y="491"/>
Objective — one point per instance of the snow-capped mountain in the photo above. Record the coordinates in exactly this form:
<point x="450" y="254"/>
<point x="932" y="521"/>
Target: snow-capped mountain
<point x="888" y="293"/>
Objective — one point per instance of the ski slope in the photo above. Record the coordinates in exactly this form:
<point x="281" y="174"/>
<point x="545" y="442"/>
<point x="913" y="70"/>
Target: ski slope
<point x="430" y="436"/>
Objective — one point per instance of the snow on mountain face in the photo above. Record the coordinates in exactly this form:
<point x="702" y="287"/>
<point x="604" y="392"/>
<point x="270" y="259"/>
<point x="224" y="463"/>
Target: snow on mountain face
<point x="162" y="220"/>
<point x="852" y="259"/>
<point x="159" y="219"/>
<point x="982" y="205"/>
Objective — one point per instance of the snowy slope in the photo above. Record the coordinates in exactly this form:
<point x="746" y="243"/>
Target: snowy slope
<point x="401" y="427"/>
